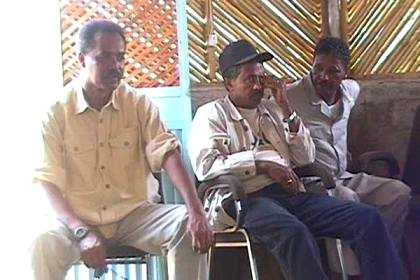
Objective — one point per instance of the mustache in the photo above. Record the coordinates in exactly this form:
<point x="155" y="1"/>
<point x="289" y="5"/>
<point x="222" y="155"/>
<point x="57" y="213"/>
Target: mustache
<point x="114" y="74"/>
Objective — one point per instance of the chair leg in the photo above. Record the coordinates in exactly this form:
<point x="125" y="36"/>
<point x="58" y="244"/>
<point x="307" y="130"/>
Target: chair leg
<point x="209" y="259"/>
<point x="252" y="262"/>
<point x="341" y="258"/>
<point x="339" y="248"/>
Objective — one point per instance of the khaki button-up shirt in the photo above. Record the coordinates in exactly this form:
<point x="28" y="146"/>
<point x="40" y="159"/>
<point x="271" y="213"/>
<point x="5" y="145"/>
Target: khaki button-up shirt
<point x="329" y="135"/>
<point x="102" y="161"/>
<point x="222" y="142"/>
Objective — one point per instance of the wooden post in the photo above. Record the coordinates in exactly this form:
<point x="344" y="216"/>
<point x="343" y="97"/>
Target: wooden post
<point x="211" y="41"/>
<point x="325" y="27"/>
<point x="343" y="21"/>
<point x="334" y="18"/>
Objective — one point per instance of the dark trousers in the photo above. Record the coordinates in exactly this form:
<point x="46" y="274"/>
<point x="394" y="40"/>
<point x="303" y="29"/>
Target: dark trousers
<point x="288" y="225"/>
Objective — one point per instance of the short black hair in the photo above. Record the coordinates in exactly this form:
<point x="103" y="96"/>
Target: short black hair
<point x="90" y="29"/>
<point x="231" y="73"/>
<point x="335" y="47"/>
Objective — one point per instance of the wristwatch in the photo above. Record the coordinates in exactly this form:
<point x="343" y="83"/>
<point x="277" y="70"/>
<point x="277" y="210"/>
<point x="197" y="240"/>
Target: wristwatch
<point x="80" y="233"/>
<point x="291" y="118"/>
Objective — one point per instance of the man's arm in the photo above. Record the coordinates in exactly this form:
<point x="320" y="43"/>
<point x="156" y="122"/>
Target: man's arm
<point x="209" y="148"/>
<point x="62" y="209"/>
<point x="91" y="248"/>
<point x="198" y="225"/>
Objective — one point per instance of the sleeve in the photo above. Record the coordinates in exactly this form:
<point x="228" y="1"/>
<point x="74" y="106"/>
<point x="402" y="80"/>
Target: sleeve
<point x="352" y="89"/>
<point x="52" y="168"/>
<point x="301" y="146"/>
<point x="209" y="148"/>
<point x="157" y="139"/>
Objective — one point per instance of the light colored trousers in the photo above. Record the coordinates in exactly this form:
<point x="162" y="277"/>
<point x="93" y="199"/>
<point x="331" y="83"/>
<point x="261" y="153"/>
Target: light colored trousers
<point x="389" y="196"/>
<point x="155" y="228"/>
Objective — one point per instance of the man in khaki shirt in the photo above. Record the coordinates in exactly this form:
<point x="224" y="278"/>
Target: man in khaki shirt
<point x="102" y="142"/>
<point x="260" y="141"/>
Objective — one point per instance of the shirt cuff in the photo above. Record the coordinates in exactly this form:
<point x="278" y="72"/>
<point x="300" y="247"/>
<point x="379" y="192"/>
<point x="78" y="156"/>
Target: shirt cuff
<point x="157" y="150"/>
<point x="242" y="164"/>
<point x="55" y="176"/>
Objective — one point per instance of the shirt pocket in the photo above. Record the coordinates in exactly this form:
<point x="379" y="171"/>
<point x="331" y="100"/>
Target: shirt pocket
<point x="80" y="148"/>
<point x="81" y="161"/>
<point x="124" y="146"/>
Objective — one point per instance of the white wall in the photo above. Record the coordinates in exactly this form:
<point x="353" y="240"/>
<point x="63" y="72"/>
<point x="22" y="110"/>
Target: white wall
<point x="30" y="77"/>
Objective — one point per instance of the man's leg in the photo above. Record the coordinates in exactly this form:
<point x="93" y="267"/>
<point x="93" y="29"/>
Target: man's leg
<point x="288" y="239"/>
<point x="161" y="228"/>
<point x="358" y="224"/>
<point x="390" y="196"/>
<point x="53" y="253"/>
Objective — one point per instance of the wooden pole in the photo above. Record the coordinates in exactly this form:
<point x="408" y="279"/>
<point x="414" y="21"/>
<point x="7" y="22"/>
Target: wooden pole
<point x="211" y="41"/>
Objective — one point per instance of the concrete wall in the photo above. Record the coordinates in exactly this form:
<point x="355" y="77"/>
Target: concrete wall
<point x="383" y="117"/>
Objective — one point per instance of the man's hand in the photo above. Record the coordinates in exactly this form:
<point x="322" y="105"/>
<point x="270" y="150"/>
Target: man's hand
<point x="92" y="251"/>
<point x="281" y="174"/>
<point x="278" y="90"/>
<point x="200" y="231"/>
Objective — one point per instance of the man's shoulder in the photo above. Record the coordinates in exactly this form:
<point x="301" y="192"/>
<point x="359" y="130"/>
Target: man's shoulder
<point x="214" y="110"/>
<point x="351" y="88"/>
<point x="210" y="107"/>
<point x="299" y="93"/>
<point x="64" y="98"/>
<point x="296" y="86"/>
<point x="128" y="92"/>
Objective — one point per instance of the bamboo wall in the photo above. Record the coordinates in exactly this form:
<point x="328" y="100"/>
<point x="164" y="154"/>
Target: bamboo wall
<point x="383" y="34"/>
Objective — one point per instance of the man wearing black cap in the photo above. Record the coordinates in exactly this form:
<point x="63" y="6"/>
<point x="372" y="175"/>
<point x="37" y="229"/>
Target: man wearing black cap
<point x="259" y="140"/>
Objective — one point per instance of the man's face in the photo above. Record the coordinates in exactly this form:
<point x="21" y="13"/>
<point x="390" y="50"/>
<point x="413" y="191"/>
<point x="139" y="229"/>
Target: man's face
<point x="104" y="62"/>
<point x="327" y="73"/>
<point x="246" y="90"/>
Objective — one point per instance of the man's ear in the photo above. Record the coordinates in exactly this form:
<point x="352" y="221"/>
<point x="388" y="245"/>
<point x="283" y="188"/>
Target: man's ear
<point x="82" y="59"/>
<point x="228" y="85"/>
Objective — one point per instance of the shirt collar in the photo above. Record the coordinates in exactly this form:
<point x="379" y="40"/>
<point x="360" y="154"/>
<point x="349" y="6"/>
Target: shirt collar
<point x="81" y="104"/>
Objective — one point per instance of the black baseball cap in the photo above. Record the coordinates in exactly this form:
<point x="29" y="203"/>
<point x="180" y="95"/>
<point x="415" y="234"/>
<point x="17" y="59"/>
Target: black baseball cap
<point x="240" y="52"/>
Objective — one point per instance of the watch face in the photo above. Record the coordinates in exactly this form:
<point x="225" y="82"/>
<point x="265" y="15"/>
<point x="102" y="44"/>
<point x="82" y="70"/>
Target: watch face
<point x="80" y="233"/>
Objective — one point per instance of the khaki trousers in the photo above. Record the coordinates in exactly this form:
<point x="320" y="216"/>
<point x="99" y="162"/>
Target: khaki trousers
<point x="155" y="228"/>
<point x="389" y="196"/>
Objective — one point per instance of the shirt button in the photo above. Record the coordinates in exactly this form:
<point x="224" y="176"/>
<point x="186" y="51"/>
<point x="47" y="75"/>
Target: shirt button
<point x="107" y="186"/>
<point x="104" y="208"/>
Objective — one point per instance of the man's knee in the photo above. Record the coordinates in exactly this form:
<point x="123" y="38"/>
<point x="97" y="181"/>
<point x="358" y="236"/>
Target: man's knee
<point x="399" y="192"/>
<point x="369" y="216"/>
<point x="346" y="193"/>
<point x="51" y="247"/>
<point x="276" y="232"/>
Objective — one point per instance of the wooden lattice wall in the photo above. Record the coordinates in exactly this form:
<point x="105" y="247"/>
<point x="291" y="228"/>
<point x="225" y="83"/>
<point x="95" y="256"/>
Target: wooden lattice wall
<point x="288" y="29"/>
<point x="151" y="34"/>
<point x="384" y="36"/>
